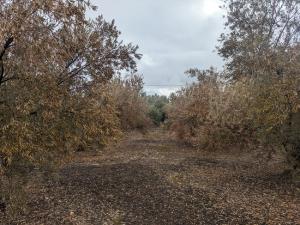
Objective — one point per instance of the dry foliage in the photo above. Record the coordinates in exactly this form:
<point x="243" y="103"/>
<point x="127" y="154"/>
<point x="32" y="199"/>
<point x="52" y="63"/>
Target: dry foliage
<point x="56" y="71"/>
<point x="210" y="113"/>
<point x="130" y="102"/>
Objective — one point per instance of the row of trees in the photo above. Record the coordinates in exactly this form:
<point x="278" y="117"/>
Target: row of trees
<point x="256" y="99"/>
<point x="55" y="69"/>
<point x="60" y="86"/>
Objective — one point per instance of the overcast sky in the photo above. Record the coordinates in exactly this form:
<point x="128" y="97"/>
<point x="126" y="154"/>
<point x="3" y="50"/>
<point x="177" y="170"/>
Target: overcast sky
<point x="173" y="36"/>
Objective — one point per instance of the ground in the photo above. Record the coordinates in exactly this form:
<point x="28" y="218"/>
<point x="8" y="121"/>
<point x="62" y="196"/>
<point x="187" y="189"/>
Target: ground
<point x="153" y="179"/>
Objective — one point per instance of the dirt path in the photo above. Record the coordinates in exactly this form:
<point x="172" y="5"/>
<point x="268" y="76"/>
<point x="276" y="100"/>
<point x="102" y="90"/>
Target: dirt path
<point x="153" y="180"/>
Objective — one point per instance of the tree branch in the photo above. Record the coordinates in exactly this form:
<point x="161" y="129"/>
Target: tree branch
<point x="73" y="73"/>
<point x="6" y="46"/>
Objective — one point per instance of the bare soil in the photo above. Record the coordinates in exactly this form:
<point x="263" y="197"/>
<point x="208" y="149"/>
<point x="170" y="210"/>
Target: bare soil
<point x="154" y="180"/>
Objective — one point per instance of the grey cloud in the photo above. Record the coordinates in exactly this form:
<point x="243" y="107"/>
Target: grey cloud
<point x="173" y="35"/>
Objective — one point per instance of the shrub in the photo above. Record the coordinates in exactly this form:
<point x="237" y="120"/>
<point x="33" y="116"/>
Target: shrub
<point x="157" y="108"/>
<point x="130" y="102"/>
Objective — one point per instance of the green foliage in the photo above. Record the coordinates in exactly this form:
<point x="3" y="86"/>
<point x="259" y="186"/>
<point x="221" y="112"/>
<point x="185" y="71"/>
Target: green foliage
<point x="157" y="108"/>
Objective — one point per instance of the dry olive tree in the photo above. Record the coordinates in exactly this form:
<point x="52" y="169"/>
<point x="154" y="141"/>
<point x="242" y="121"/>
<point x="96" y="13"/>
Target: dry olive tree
<point x="260" y="36"/>
<point x="262" y="44"/>
<point x="55" y="65"/>
<point x="257" y="96"/>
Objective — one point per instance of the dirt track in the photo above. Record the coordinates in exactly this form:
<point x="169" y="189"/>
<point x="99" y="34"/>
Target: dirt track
<point x="152" y="179"/>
